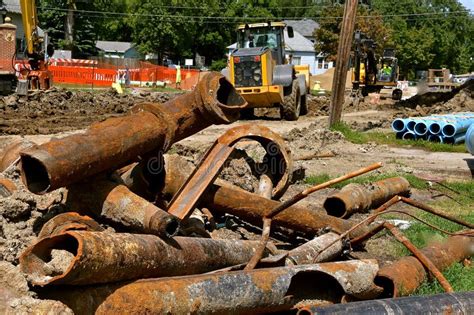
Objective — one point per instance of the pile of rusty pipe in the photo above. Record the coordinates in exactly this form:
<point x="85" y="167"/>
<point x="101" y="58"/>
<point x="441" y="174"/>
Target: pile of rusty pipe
<point x="105" y="199"/>
<point x="355" y="198"/>
<point x="109" y="257"/>
<point x="66" y="222"/>
<point x="405" y="275"/>
<point x="315" y="251"/>
<point x="237" y="292"/>
<point x="445" y="303"/>
<point x="223" y="198"/>
<point x="115" y="142"/>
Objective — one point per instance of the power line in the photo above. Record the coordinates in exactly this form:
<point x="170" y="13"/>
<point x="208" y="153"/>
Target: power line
<point x="236" y="18"/>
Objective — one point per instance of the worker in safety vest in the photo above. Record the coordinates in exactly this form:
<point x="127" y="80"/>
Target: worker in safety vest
<point x="178" y="76"/>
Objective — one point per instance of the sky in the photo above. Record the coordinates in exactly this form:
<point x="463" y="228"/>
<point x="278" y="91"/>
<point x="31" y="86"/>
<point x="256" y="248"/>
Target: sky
<point x="469" y="4"/>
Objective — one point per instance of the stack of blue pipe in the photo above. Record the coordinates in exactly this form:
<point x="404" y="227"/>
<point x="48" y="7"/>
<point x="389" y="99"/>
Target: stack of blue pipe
<point x="450" y="128"/>
<point x="470" y="139"/>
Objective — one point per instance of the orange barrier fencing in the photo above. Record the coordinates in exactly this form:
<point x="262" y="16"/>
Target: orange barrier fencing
<point x="104" y="75"/>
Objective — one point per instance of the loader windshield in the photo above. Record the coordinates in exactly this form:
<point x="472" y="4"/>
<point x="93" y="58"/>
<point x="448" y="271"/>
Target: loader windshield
<point x="259" y="37"/>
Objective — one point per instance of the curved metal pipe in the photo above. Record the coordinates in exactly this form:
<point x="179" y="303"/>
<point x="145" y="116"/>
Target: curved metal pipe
<point x="118" y="141"/>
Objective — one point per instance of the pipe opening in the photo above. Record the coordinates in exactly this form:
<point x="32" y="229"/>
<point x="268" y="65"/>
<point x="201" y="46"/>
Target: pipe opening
<point x="411" y="125"/>
<point x="449" y="140"/>
<point x="388" y="286"/>
<point x="304" y="286"/>
<point x="228" y="95"/>
<point x="172" y="228"/>
<point x="435" y="138"/>
<point x="34" y="174"/>
<point x="420" y="128"/>
<point x="335" y="206"/>
<point x="52" y="257"/>
<point x="449" y="130"/>
<point x="435" y="128"/>
<point x="398" y="125"/>
<point x="409" y="136"/>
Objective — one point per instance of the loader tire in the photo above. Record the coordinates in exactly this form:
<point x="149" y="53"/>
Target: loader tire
<point x="291" y="106"/>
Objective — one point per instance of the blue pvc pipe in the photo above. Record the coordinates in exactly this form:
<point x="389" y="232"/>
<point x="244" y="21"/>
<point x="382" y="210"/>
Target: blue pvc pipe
<point x="470" y="139"/>
<point x="435" y="138"/>
<point x="409" y="135"/>
<point x="421" y="128"/>
<point x="399" y="124"/>
<point x="460" y="125"/>
<point x="459" y="138"/>
<point x="410" y="125"/>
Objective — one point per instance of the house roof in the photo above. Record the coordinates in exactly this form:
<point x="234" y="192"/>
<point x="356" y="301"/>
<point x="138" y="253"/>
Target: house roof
<point x="12" y="6"/>
<point x="297" y="43"/>
<point x="305" y="27"/>
<point x="111" y="46"/>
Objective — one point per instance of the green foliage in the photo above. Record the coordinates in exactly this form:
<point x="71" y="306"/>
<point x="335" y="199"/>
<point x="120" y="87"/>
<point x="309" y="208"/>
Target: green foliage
<point x="390" y="139"/>
<point x="327" y="35"/>
<point x="218" y="65"/>
<point x="433" y="41"/>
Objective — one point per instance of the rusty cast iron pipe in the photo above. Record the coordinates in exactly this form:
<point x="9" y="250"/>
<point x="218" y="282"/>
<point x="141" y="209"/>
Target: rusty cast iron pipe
<point x="68" y="221"/>
<point x="420" y="256"/>
<point x="118" y="141"/>
<point x="244" y="292"/>
<point x="278" y="159"/>
<point x="446" y="303"/>
<point x="405" y="275"/>
<point x="7" y="187"/>
<point x="11" y="153"/>
<point x="225" y="198"/>
<point x="97" y="257"/>
<point x="114" y="202"/>
<point x="310" y="252"/>
<point x="354" y="198"/>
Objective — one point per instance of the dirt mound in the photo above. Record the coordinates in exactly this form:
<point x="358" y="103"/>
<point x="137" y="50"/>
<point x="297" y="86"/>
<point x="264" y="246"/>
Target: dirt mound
<point x="57" y="110"/>
<point x="318" y="105"/>
<point x="313" y="139"/>
<point x="458" y="100"/>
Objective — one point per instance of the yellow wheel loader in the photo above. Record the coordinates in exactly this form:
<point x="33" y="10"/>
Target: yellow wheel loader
<point x="261" y="73"/>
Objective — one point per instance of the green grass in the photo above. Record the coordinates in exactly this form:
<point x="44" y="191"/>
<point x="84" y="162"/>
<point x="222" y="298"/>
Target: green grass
<point x="414" y="181"/>
<point x="461" y="279"/>
<point x="389" y="138"/>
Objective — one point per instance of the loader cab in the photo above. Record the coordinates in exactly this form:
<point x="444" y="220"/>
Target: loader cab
<point x="388" y="67"/>
<point x="265" y="35"/>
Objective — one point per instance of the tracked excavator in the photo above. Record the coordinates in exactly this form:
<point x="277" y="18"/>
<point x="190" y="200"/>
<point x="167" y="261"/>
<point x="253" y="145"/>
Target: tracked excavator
<point x="34" y="76"/>
<point x="372" y="74"/>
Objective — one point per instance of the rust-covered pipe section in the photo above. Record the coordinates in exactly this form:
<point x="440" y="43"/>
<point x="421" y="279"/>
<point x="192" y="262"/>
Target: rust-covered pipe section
<point x="446" y="303"/>
<point x="405" y="275"/>
<point x="113" y="143"/>
<point x="225" y="198"/>
<point x="244" y="292"/>
<point x="115" y="203"/>
<point x="314" y="251"/>
<point x="82" y="257"/>
<point x="68" y="221"/>
<point x="354" y="198"/>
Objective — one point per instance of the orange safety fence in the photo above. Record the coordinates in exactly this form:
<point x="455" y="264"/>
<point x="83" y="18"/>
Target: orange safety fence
<point x="105" y="75"/>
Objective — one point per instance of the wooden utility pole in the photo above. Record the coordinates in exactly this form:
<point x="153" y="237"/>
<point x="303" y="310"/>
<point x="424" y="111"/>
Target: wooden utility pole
<point x="342" y="61"/>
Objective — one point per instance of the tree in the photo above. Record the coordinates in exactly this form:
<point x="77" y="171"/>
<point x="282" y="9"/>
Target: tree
<point x="368" y="21"/>
<point x="71" y="24"/>
<point x="441" y="38"/>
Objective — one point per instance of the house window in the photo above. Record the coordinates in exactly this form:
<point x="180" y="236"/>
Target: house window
<point x="325" y="66"/>
<point x="296" y="60"/>
<point x="320" y="63"/>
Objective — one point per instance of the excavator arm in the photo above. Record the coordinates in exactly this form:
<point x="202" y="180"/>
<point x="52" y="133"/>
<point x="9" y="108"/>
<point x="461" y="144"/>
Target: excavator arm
<point x="30" y="25"/>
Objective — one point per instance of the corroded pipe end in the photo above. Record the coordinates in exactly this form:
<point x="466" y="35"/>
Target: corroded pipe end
<point x="51" y="258"/>
<point x="343" y="203"/>
<point x="160" y="222"/>
<point x="12" y="152"/>
<point x="220" y="98"/>
<point x="34" y="174"/>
